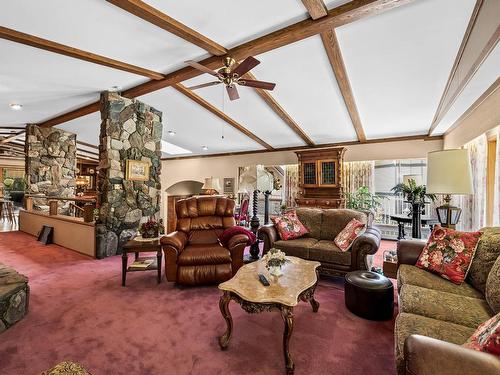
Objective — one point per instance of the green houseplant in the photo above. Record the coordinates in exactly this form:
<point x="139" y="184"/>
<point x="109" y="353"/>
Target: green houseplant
<point x="362" y="199"/>
<point x="412" y="192"/>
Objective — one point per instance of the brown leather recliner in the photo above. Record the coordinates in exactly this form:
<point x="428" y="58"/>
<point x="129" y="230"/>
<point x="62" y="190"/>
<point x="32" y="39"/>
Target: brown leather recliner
<point x="193" y="253"/>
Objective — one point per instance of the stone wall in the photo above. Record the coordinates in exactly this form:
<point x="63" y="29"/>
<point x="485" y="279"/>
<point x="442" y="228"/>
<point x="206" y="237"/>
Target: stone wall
<point x="130" y="130"/>
<point x="50" y="161"/>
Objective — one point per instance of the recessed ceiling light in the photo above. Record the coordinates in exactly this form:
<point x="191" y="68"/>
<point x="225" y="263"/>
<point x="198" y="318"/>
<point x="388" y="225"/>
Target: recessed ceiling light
<point x="204" y="148"/>
<point x="171" y="133"/>
<point x="16" y="106"/>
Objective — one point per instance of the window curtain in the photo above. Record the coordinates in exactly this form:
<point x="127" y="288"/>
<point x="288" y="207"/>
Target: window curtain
<point x="496" y="198"/>
<point x="356" y="174"/>
<point x="474" y="206"/>
<point x="291" y="184"/>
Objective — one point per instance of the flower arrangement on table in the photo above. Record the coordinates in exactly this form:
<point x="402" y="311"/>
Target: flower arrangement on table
<point x="151" y="228"/>
<point x="274" y="260"/>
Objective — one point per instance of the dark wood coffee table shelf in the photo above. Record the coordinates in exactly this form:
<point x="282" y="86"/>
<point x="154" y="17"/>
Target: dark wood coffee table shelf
<point x="137" y="247"/>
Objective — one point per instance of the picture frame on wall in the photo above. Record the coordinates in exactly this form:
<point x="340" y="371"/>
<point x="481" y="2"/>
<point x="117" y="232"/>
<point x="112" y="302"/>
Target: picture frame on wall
<point x="137" y="170"/>
<point x="228" y="185"/>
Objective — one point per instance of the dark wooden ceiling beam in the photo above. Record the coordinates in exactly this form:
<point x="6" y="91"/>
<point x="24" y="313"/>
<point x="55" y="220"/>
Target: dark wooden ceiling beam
<point x="48" y="45"/>
<point x="199" y="100"/>
<point x="278" y="109"/>
<point x="332" y="48"/>
<point x="316" y="8"/>
<point x="338" y="16"/>
<point x="160" y="19"/>
<point x="465" y="65"/>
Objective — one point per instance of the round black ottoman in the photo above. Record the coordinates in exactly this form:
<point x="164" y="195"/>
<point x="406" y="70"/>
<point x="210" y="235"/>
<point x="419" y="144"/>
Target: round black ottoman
<point x="369" y="295"/>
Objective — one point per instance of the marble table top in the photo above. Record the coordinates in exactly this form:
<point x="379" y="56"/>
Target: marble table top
<point x="298" y="276"/>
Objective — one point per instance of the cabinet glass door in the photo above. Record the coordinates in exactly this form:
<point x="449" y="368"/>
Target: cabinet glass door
<point x="328" y="172"/>
<point x="309" y="173"/>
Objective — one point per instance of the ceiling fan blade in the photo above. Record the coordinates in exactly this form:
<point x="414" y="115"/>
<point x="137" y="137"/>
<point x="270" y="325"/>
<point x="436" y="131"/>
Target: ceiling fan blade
<point x="246" y="65"/>
<point x="203" y="68"/>
<point x="257" y="84"/>
<point x="204" y="85"/>
<point x="232" y="91"/>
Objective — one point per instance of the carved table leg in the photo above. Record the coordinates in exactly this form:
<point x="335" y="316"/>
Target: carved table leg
<point x="287" y="315"/>
<point x="224" y="309"/>
<point x="314" y="303"/>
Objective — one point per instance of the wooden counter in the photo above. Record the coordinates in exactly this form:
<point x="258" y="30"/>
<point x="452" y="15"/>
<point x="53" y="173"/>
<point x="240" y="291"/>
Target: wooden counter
<point x="70" y="232"/>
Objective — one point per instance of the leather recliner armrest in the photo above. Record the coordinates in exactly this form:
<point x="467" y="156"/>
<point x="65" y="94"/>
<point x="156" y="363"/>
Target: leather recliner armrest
<point x="176" y="239"/>
<point x="269" y="235"/>
<point x="365" y="244"/>
<point x="409" y="251"/>
<point x="172" y="245"/>
<point x="428" y="356"/>
<point x="236" y="246"/>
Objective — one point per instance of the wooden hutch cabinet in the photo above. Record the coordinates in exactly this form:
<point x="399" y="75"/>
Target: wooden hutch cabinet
<point x="320" y="178"/>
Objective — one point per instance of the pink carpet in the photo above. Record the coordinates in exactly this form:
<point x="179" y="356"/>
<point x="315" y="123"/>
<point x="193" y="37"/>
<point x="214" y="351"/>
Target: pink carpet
<point x="79" y="312"/>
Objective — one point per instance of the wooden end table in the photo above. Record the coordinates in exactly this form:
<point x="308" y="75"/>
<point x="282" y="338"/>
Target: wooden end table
<point x="133" y="246"/>
<point x="297" y="283"/>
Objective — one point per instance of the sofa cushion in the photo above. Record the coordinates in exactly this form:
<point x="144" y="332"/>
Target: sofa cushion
<point x="493" y="287"/>
<point x="415" y="276"/>
<point x="297" y="248"/>
<point x="289" y="226"/>
<point x="311" y="218"/>
<point x="449" y="253"/>
<point x="409" y="324"/>
<point x="347" y="235"/>
<point x="486" y="338"/>
<point x="193" y="255"/>
<point x="488" y="250"/>
<point x="327" y="251"/>
<point x="448" y="307"/>
<point x="334" y="220"/>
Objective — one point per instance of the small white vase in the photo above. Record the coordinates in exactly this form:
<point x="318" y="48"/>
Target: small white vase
<point x="275" y="271"/>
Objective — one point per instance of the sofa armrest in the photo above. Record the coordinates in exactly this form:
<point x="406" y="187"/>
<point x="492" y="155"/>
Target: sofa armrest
<point x="172" y="245"/>
<point x="428" y="356"/>
<point x="409" y="251"/>
<point x="236" y="246"/>
<point x="365" y="244"/>
<point x="269" y="235"/>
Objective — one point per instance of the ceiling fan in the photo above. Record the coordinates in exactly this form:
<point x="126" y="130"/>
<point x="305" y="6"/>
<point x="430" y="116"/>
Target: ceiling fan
<point x="232" y="74"/>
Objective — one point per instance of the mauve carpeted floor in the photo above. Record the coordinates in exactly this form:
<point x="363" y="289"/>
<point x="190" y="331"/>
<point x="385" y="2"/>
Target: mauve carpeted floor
<point x="79" y="312"/>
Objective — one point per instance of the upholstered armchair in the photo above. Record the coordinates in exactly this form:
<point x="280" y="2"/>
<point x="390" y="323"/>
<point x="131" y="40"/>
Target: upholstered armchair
<point x="193" y="253"/>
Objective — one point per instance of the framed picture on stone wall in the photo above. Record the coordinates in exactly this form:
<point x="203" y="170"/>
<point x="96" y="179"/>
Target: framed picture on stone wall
<point x="137" y="170"/>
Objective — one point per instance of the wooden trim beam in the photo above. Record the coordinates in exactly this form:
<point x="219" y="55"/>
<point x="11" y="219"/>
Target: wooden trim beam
<point x="87" y="144"/>
<point x="48" y="45"/>
<point x="334" y="54"/>
<point x="316" y="8"/>
<point x="423" y="137"/>
<point x="338" y="16"/>
<point x="461" y="75"/>
<point x="12" y="137"/>
<point x="160" y="19"/>
<point x="198" y="99"/>
<point x="274" y="105"/>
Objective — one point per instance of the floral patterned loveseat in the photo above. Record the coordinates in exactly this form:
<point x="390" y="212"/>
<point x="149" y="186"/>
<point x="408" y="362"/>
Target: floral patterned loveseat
<point x="436" y="316"/>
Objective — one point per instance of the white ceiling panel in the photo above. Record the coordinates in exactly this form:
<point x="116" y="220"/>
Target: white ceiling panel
<point x="250" y="111"/>
<point x="47" y="84"/>
<point x="398" y="63"/>
<point x="486" y="75"/>
<point x="195" y="126"/>
<point x="234" y="22"/>
<point x="100" y="27"/>
<point x="86" y="128"/>
<point x="307" y="89"/>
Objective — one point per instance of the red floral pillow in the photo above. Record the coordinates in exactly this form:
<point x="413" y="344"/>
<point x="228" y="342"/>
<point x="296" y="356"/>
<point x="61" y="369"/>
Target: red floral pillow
<point x="487" y="337"/>
<point x="449" y="253"/>
<point x="346" y="237"/>
<point x="289" y="226"/>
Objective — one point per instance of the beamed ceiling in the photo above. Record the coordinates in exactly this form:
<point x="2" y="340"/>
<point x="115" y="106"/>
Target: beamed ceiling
<point x="345" y="72"/>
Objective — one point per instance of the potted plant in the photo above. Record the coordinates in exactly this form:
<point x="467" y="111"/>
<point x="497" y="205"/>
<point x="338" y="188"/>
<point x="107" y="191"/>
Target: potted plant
<point x="151" y="228"/>
<point x="274" y="260"/>
<point x="363" y="200"/>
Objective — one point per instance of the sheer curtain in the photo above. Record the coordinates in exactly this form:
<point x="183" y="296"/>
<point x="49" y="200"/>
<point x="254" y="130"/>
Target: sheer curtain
<point x="474" y="206"/>
<point x="356" y="174"/>
<point x="496" y="198"/>
<point x="291" y="184"/>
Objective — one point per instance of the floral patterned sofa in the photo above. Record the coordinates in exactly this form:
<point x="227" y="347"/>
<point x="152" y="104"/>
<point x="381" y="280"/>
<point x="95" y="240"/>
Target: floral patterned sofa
<point x="436" y="316"/>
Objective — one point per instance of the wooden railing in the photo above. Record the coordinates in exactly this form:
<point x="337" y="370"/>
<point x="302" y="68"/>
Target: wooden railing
<point x="86" y="212"/>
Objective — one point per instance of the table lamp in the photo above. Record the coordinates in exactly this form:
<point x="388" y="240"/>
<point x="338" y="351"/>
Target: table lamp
<point x="449" y="172"/>
<point x="211" y="186"/>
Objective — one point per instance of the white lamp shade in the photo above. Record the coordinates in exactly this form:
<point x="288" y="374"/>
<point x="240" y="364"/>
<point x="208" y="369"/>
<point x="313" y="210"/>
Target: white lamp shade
<point x="449" y="172"/>
<point x="211" y="183"/>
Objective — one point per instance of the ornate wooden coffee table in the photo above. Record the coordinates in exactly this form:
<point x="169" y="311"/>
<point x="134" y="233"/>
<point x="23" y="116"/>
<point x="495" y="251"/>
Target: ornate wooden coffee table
<point x="297" y="283"/>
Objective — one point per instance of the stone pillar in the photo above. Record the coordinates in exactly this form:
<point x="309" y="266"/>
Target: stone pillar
<point x="130" y="130"/>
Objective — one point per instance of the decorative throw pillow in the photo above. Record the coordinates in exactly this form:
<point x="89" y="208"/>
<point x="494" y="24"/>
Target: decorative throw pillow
<point x="289" y="226"/>
<point x="234" y="230"/>
<point x="486" y="338"/>
<point x="449" y="253"/>
<point x="346" y="237"/>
